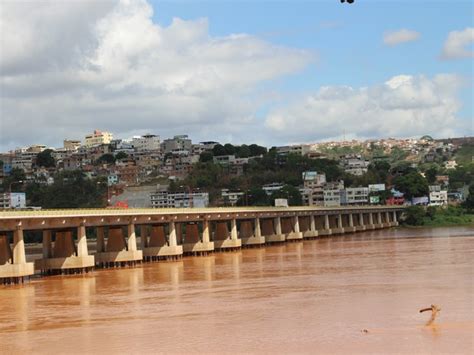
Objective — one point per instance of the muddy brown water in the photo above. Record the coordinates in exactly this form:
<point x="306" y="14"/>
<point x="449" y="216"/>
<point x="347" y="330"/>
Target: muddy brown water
<point x="351" y="294"/>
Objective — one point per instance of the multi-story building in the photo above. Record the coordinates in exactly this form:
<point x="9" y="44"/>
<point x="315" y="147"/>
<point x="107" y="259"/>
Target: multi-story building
<point x="354" y="164"/>
<point x="71" y="144"/>
<point x="271" y="188"/>
<point x="231" y="196"/>
<point x="438" y="197"/>
<point x="13" y="200"/>
<point x="355" y="196"/>
<point x="164" y="199"/>
<point x="180" y="142"/>
<point x="98" y="138"/>
<point x="146" y="143"/>
<point x="311" y="179"/>
<point x="300" y="149"/>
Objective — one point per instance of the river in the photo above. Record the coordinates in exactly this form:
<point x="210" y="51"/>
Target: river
<point x="358" y="293"/>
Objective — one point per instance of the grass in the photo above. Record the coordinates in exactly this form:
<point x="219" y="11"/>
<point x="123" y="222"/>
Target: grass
<point x="464" y="154"/>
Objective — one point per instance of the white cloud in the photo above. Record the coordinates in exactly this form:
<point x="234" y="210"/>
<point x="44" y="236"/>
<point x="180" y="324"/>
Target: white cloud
<point x="402" y="106"/>
<point x="457" y="44"/>
<point x="401" y="36"/>
<point x="75" y="66"/>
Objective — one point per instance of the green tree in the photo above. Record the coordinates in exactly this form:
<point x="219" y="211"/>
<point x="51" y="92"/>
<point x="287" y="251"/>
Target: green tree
<point x="121" y="156"/>
<point x="243" y="151"/>
<point x="256" y="150"/>
<point x="291" y="193"/>
<point x="469" y="203"/>
<point x="254" y="197"/>
<point x="45" y="159"/>
<point x="412" y="185"/>
<point x="219" y="150"/>
<point x="106" y="159"/>
<point x="414" y="216"/>
<point x="229" y="149"/>
<point x="206" y="157"/>
<point x="430" y="175"/>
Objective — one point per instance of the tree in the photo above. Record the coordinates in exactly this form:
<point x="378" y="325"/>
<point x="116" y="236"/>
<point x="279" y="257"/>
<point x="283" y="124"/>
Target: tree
<point x="414" y="216"/>
<point x="229" y="149"/>
<point x="256" y="150"/>
<point x="291" y="193"/>
<point x="243" y="151"/>
<point x="430" y="175"/>
<point x="45" y="159"/>
<point x="469" y="203"/>
<point x="254" y="197"/>
<point x="206" y="157"/>
<point x="412" y="185"/>
<point x="106" y="159"/>
<point x="219" y="150"/>
<point x="121" y="155"/>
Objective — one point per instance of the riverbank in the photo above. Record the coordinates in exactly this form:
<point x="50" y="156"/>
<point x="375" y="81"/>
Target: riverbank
<point x="419" y="216"/>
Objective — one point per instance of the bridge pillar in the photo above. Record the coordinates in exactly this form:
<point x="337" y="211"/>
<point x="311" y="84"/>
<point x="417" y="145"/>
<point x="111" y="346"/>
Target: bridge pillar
<point x="47" y="244"/>
<point x="65" y="257"/>
<point x="326" y="230"/>
<point x="371" y="224"/>
<point x="395" y="221"/>
<point x="120" y="251"/>
<point x="223" y="240"/>
<point x="194" y="244"/>
<point x="350" y="228"/>
<point x="386" y="222"/>
<point x="274" y="235"/>
<point x="379" y="223"/>
<point x="251" y="236"/>
<point x="312" y="232"/>
<point x="295" y="234"/>
<point x="361" y="225"/>
<point x="157" y="248"/>
<point x="339" y="228"/>
<point x="13" y="266"/>
<point x="100" y="247"/>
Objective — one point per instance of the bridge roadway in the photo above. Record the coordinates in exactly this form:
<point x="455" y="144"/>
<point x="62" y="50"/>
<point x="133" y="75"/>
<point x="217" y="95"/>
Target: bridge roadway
<point x="166" y="233"/>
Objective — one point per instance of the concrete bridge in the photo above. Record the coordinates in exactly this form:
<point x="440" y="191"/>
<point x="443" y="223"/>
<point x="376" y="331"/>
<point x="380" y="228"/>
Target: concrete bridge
<point x="165" y="233"/>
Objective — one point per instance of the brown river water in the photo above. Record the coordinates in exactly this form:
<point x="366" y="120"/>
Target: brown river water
<point x="310" y="297"/>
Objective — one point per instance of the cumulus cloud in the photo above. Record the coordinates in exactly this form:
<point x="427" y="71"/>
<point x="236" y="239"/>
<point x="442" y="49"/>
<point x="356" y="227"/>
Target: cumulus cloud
<point x="71" y="67"/>
<point x="457" y="44"/>
<point x="402" y="106"/>
<point x="401" y="36"/>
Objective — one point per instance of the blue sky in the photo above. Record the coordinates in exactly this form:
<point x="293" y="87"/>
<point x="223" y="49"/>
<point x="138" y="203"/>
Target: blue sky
<point x="347" y="38"/>
<point x="271" y="72"/>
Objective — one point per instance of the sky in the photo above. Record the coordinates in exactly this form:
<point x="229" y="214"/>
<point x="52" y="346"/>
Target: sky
<point x="267" y="72"/>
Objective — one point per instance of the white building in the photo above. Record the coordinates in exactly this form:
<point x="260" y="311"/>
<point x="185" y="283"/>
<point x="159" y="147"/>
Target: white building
<point x="355" y="196"/>
<point x="354" y="164"/>
<point x="98" y="138"/>
<point x="13" y="200"/>
<point x="180" y="142"/>
<point x="300" y="149"/>
<point x="231" y="196"/>
<point x="271" y="188"/>
<point x="376" y="187"/>
<point x="164" y="199"/>
<point x="312" y="179"/>
<point x="438" y="197"/>
<point x="147" y="142"/>
<point x="450" y="164"/>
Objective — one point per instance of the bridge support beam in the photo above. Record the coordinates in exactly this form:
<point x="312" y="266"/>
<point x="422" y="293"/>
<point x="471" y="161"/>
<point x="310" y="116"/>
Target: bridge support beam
<point x="350" y="228"/>
<point x="379" y="224"/>
<point x="371" y="224"/>
<point x="65" y="257"/>
<point x="395" y="221"/>
<point x="193" y="244"/>
<point x="327" y="228"/>
<point x="295" y="234"/>
<point x="311" y="232"/>
<point x="251" y="237"/>
<point x="13" y="266"/>
<point x="120" y="251"/>
<point x="275" y="236"/>
<point x="223" y="240"/>
<point x="339" y="229"/>
<point x="156" y="247"/>
<point x="361" y="225"/>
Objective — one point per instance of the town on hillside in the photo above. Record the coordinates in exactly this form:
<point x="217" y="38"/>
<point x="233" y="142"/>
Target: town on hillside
<point x="145" y="171"/>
